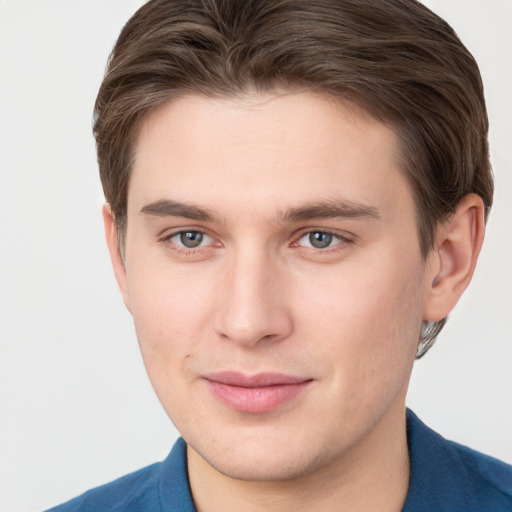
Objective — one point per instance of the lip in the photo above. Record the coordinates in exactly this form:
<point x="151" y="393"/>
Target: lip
<point x="262" y="392"/>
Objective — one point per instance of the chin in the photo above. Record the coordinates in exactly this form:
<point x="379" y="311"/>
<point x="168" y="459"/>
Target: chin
<point x="264" y="460"/>
<point x="272" y="469"/>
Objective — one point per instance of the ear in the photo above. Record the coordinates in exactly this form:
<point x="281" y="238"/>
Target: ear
<point x="452" y="262"/>
<point x="115" y="253"/>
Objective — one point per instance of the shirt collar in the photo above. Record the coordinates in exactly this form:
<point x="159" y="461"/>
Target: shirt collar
<point x="438" y="478"/>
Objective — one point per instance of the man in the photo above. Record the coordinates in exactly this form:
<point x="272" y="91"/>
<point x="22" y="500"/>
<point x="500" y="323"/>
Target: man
<point x="296" y="199"/>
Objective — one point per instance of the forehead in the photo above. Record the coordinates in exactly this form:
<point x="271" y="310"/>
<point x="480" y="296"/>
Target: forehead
<point x="261" y="153"/>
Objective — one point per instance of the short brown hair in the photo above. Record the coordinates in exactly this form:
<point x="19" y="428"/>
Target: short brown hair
<point x="394" y="58"/>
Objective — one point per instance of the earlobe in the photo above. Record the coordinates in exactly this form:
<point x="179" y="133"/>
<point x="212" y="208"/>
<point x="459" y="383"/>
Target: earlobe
<point x="452" y="262"/>
<point x="115" y="254"/>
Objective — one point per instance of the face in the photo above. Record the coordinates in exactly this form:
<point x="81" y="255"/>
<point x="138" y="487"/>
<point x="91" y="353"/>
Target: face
<point x="273" y="271"/>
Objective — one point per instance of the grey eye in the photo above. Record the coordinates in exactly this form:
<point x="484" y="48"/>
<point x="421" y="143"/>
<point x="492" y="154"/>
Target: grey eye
<point x="191" y="239"/>
<point x="320" y="240"/>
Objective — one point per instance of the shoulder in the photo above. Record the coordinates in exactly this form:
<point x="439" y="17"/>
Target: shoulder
<point x="161" y="486"/>
<point x="128" y="493"/>
<point x="448" y="476"/>
<point x="490" y="479"/>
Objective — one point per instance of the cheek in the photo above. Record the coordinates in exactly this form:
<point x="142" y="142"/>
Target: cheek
<point x="392" y="334"/>
<point x="169" y="330"/>
<point x="370" y="323"/>
<point x="170" y="312"/>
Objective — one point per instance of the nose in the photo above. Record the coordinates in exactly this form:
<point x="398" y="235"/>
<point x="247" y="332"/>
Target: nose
<point x="253" y="304"/>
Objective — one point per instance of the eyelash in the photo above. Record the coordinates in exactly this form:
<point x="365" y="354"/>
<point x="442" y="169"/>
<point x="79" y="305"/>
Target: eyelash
<point x="167" y="239"/>
<point x="342" y="243"/>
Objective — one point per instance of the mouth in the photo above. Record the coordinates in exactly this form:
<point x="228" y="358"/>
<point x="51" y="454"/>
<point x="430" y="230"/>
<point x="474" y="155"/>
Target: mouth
<point x="258" y="393"/>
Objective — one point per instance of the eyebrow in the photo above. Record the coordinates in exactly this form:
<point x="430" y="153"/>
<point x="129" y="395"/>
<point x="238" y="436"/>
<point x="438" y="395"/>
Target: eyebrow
<point x="168" y="208"/>
<point x="331" y="210"/>
<point x="320" y="210"/>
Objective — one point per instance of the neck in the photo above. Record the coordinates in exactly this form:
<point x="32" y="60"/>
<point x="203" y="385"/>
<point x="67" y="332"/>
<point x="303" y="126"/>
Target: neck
<point x="374" y="475"/>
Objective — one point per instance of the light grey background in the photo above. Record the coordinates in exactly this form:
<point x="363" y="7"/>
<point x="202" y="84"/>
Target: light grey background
<point x="76" y="408"/>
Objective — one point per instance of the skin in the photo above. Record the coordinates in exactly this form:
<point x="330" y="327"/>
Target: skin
<point x="256" y="296"/>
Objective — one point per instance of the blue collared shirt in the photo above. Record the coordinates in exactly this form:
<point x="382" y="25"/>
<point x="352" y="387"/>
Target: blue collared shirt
<point x="445" y="477"/>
